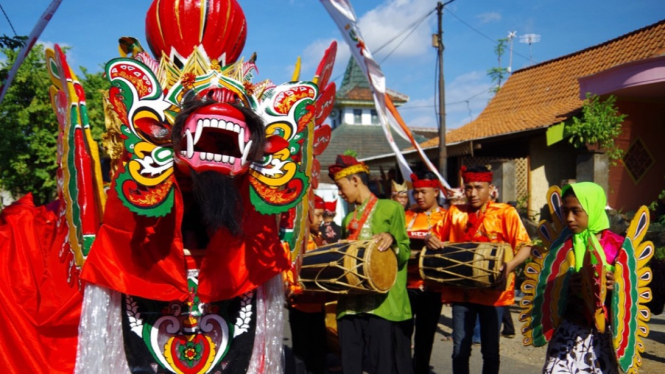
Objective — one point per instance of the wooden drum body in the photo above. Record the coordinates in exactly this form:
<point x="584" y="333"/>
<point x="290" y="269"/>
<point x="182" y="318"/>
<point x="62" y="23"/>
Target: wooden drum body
<point x="469" y="265"/>
<point x="349" y="267"/>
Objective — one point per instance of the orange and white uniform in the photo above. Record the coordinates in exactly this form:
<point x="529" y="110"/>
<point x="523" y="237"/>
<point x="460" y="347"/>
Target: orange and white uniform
<point x="499" y="223"/>
<point x="418" y="226"/>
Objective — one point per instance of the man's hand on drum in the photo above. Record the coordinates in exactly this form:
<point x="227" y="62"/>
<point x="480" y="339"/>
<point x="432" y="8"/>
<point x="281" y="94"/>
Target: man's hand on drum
<point x="507" y="268"/>
<point x="433" y="242"/>
<point x="384" y="240"/>
<point x="504" y="271"/>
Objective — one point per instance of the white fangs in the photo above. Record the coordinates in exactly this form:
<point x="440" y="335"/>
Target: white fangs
<point x="241" y="140"/>
<point x="245" y="152"/>
<point x="199" y="129"/>
<point x="190" y="144"/>
<point x="193" y="139"/>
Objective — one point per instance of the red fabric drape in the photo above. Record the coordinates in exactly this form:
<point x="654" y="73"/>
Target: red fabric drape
<point x="144" y="257"/>
<point x="39" y="310"/>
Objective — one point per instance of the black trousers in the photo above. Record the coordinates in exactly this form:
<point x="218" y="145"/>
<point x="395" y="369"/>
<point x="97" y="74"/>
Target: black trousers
<point x="386" y="343"/>
<point x="308" y="332"/>
<point x="426" y="309"/>
<point x="507" y="321"/>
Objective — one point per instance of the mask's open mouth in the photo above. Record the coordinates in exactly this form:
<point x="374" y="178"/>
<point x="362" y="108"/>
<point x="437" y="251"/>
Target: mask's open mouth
<point x="215" y="137"/>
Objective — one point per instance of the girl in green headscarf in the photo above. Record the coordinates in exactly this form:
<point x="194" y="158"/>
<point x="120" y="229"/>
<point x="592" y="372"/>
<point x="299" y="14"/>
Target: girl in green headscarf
<point x="576" y="345"/>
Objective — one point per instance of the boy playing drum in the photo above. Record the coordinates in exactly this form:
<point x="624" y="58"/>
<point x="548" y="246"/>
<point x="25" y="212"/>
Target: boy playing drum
<point x="425" y="303"/>
<point x="480" y="220"/>
<point x="377" y="323"/>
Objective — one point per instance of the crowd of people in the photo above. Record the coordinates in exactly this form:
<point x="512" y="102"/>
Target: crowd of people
<point x="394" y="332"/>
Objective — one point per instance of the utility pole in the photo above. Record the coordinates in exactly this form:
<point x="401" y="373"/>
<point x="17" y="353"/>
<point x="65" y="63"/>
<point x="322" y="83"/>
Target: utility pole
<point x="437" y="41"/>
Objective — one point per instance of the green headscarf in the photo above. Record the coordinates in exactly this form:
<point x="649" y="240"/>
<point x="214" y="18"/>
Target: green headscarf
<point x="592" y="198"/>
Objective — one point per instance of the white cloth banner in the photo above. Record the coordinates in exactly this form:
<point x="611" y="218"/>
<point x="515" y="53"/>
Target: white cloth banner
<point x="344" y="16"/>
<point x="32" y="39"/>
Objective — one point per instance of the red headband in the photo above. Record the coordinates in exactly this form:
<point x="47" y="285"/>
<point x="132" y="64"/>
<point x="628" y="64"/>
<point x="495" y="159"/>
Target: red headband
<point x="424" y="183"/>
<point x="469" y="176"/>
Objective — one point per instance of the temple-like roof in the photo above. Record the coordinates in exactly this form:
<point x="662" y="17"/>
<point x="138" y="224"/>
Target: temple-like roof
<point x="355" y="88"/>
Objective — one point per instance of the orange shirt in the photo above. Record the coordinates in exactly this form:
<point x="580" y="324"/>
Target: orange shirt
<point x="501" y="224"/>
<point x="418" y="226"/>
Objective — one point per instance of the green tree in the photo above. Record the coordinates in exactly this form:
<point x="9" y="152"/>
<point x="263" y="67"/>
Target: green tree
<point x="29" y="127"/>
<point x="498" y="73"/>
<point x="94" y="84"/>
<point x="12" y="42"/>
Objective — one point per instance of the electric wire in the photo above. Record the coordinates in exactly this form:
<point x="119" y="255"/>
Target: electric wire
<point x="411" y="27"/>
<point x="405" y="38"/>
<point x="484" y="35"/>
<point x="7" y="18"/>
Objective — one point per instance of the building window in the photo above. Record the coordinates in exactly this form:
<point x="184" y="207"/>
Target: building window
<point x="357" y="116"/>
<point x="637" y="160"/>
<point x="375" y="117"/>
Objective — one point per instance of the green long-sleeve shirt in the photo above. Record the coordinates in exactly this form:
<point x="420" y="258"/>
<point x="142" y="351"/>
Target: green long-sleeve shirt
<point x="387" y="216"/>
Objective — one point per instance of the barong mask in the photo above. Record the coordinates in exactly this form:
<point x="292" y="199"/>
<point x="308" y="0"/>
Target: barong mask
<point x="148" y="95"/>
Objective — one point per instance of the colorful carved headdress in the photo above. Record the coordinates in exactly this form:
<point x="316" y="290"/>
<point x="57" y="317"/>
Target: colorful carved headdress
<point x="399" y="188"/>
<point x="196" y="46"/>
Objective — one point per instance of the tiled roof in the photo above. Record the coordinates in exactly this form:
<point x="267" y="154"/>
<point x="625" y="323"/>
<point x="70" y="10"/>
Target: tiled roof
<point x="548" y="93"/>
<point x="355" y="86"/>
<point x="366" y="140"/>
<point x="365" y="94"/>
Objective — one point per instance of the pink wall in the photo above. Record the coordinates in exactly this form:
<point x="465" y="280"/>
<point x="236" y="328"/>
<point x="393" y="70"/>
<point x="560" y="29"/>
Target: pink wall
<point x="646" y="121"/>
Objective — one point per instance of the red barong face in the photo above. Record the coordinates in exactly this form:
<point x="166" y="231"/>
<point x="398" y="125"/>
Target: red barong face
<point x="215" y="138"/>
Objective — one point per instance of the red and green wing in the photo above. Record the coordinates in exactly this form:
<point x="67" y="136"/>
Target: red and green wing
<point x="546" y="284"/>
<point x="80" y="186"/>
<point x="631" y="292"/>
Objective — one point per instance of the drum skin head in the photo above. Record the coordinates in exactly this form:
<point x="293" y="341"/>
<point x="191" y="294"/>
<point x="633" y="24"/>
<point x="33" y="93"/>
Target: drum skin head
<point x="382" y="268"/>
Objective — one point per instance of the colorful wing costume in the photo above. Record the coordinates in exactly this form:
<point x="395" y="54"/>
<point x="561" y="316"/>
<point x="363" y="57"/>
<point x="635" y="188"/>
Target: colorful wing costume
<point x="149" y="303"/>
<point x="44" y="248"/>
<point x="552" y="265"/>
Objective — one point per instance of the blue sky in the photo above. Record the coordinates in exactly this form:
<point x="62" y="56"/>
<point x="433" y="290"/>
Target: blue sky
<point x="281" y="30"/>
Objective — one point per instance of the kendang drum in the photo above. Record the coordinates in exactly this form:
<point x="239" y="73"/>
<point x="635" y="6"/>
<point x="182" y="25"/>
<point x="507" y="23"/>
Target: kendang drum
<point x="469" y="265"/>
<point x="349" y="267"/>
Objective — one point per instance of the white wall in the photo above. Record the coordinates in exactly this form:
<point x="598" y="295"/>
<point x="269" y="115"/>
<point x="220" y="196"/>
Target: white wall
<point x="366" y="118"/>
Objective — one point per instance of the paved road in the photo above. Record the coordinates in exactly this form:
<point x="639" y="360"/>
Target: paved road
<point x="515" y="358"/>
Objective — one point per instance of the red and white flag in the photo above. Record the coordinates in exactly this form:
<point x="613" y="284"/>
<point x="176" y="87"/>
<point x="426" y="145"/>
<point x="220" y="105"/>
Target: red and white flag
<point x="344" y="16"/>
<point x="32" y="39"/>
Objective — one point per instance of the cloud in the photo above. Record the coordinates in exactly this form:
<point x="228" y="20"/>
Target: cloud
<point x="390" y="22"/>
<point x="387" y="22"/>
<point x="488" y="17"/>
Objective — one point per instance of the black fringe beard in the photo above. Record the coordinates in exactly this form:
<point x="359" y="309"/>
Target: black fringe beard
<point x="218" y="201"/>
